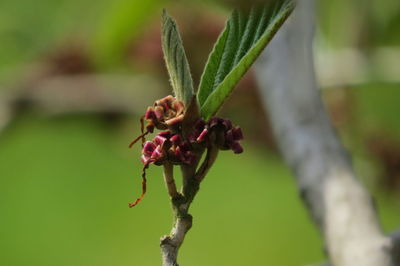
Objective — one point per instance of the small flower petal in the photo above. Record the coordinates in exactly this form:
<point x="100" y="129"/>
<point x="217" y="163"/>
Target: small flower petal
<point x="174" y="121"/>
<point x="237" y="148"/>
<point x="227" y="124"/>
<point x="176" y="140"/>
<point x="215" y="121"/>
<point x="178" y="106"/>
<point x="148" y="148"/>
<point x="203" y="135"/>
<point x="157" y="154"/>
<point x="237" y="134"/>
<point x="145" y="159"/>
<point x="159" y="112"/>
<point x="178" y="152"/>
<point x="159" y="140"/>
<point x="165" y="134"/>
<point x="150" y="114"/>
<point x="229" y="138"/>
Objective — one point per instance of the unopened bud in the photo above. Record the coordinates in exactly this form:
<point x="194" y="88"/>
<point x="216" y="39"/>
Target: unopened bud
<point x="148" y="148"/>
<point x="203" y="135"/>
<point x="237" y="148"/>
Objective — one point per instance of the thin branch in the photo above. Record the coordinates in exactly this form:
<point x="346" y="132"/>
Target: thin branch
<point x="211" y="156"/>
<point x="395" y="237"/>
<point x="169" y="180"/>
<point x="171" y="243"/>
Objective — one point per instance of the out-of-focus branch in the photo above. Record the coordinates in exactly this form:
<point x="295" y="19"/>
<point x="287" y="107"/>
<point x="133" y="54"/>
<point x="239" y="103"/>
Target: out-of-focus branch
<point x="395" y="237"/>
<point x="338" y="203"/>
<point x="91" y="93"/>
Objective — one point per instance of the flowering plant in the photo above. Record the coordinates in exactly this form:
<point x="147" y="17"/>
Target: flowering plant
<point x="187" y="121"/>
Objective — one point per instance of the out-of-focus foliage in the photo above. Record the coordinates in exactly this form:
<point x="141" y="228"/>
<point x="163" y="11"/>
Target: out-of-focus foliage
<point x="122" y="22"/>
<point x="368" y="23"/>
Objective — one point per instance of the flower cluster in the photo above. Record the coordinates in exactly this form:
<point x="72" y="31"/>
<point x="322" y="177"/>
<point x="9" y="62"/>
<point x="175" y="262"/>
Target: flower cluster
<point x="219" y="132"/>
<point x="167" y="146"/>
<point x="166" y="113"/>
<point x="172" y="146"/>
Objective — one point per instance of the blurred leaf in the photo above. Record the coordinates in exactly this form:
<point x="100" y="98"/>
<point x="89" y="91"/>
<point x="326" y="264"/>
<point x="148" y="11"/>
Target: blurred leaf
<point x="122" y="22"/>
<point x="176" y="61"/>
<point x="245" y="36"/>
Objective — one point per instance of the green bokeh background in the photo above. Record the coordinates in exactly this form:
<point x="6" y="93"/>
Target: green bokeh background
<point x="66" y="179"/>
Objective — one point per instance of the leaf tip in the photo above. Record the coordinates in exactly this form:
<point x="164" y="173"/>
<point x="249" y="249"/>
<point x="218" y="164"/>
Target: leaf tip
<point x="164" y="13"/>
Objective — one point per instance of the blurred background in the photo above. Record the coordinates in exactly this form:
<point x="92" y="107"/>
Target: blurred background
<point x="75" y="76"/>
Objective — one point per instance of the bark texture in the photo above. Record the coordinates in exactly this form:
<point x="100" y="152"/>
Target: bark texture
<point x="338" y="203"/>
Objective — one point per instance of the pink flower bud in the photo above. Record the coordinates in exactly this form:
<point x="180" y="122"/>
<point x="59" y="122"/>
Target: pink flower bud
<point x="178" y="152"/>
<point x="150" y="114"/>
<point x="176" y="140"/>
<point x="178" y="106"/>
<point x="165" y="134"/>
<point x="157" y="153"/>
<point x="148" y="148"/>
<point x="159" y="140"/>
<point x="165" y="102"/>
<point x="159" y="112"/>
<point x="174" y="121"/>
<point x="203" y="135"/>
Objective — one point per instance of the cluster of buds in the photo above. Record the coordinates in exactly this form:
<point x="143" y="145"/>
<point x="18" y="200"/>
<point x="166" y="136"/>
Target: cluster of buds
<point x="167" y="146"/>
<point x="172" y="146"/>
<point x="219" y="132"/>
<point x="166" y="113"/>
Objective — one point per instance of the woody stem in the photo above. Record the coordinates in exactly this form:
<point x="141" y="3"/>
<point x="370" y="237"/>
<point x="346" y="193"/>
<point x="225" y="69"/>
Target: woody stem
<point x="211" y="156"/>
<point x="171" y="243"/>
<point x="169" y="180"/>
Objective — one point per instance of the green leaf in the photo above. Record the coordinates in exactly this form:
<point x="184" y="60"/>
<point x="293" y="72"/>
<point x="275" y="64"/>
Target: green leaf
<point x="245" y="36"/>
<point x="176" y="61"/>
